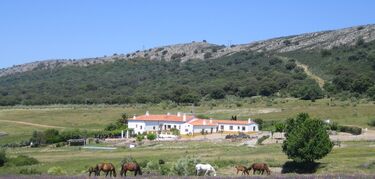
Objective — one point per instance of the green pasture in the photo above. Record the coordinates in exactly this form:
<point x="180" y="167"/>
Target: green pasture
<point x="96" y="117"/>
<point x="348" y="159"/>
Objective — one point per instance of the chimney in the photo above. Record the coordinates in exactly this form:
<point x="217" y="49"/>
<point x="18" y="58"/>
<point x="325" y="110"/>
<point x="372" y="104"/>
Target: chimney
<point x="210" y="120"/>
<point x="178" y="114"/>
<point x="147" y="113"/>
<point x="184" y="117"/>
<point x="134" y="116"/>
<point x="249" y="121"/>
<point x="204" y="122"/>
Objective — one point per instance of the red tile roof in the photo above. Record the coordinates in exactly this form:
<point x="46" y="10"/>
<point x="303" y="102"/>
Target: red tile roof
<point x="170" y="118"/>
<point x="190" y="119"/>
<point x="240" y="122"/>
<point x="202" y="122"/>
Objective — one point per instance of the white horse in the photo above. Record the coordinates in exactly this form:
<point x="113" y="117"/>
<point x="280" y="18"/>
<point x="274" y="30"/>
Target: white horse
<point x="206" y="168"/>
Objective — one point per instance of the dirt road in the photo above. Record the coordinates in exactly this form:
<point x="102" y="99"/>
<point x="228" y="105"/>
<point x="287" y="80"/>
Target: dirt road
<point x="31" y="124"/>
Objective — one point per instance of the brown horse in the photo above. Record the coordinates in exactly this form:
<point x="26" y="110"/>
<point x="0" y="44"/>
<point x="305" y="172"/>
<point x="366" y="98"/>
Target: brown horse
<point x="241" y="168"/>
<point x="92" y="170"/>
<point x="131" y="166"/>
<point x="108" y="168"/>
<point x="259" y="167"/>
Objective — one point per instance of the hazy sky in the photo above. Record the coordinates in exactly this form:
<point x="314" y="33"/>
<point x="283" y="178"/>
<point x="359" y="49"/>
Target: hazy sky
<point x="33" y="30"/>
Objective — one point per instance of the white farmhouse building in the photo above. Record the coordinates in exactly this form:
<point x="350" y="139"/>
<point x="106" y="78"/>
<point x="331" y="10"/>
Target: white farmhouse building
<point x="187" y="124"/>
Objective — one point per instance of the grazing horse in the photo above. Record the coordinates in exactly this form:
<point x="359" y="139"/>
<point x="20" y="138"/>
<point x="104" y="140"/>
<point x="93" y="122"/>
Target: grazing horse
<point x="259" y="167"/>
<point x="108" y="168"/>
<point x="131" y="166"/>
<point x="92" y="170"/>
<point x="206" y="168"/>
<point x="241" y="168"/>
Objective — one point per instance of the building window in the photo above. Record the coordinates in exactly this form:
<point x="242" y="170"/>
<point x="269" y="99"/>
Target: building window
<point x="154" y="127"/>
<point x="179" y="127"/>
<point x="254" y="128"/>
<point x="140" y="127"/>
<point x="238" y="127"/>
<point x="222" y="127"/>
<point x="230" y="127"/>
<point x="169" y="126"/>
<point x="175" y="126"/>
<point x="136" y="125"/>
<point x="186" y="130"/>
<point x="243" y="128"/>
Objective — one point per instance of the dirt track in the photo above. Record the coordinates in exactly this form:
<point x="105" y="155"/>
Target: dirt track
<point x="32" y="124"/>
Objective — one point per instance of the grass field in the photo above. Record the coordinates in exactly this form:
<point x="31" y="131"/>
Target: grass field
<point x="96" y="117"/>
<point x="224" y="155"/>
<point x="20" y="121"/>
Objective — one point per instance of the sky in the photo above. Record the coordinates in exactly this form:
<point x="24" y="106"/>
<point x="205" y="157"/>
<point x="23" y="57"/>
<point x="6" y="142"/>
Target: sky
<point x="72" y="29"/>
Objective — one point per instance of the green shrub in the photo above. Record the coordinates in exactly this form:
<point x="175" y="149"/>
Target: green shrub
<point x="224" y="163"/>
<point x="263" y="138"/>
<point x="371" y="123"/>
<point x="3" y="157"/>
<point x="22" y="160"/>
<point x="185" y="166"/>
<point x="153" y="166"/>
<point x="56" y="171"/>
<point x="175" y="132"/>
<point x="350" y="129"/>
<point x="279" y="127"/>
<point x="140" y="137"/>
<point x="334" y="126"/>
<point x="30" y="171"/>
<point x="164" y="170"/>
<point x="207" y="55"/>
<point x="52" y="136"/>
<point x="131" y="159"/>
<point x="151" y="136"/>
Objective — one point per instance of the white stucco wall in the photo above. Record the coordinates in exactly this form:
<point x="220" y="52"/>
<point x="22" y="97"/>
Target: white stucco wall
<point x="198" y="129"/>
<point x="146" y="126"/>
<point x="185" y="128"/>
<point x="137" y="126"/>
<point x="238" y="128"/>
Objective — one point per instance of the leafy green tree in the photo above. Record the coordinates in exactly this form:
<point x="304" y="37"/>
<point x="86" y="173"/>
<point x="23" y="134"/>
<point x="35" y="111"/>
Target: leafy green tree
<point x="306" y="139"/>
<point x="217" y="94"/>
<point x="52" y="136"/>
<point x="123" y="121"/>
<point x="279" y="127"/>
<point x="248" y="92"/>
<point x="371" y="92"/>
<point x="38" y="138"/>
<point x="362" y="84"/>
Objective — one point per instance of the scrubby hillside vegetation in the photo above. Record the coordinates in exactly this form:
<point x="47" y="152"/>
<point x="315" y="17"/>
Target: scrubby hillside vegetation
<point x="349" y="71"/>
<point x="243" y="74"/>
<point x="190" y="73"/>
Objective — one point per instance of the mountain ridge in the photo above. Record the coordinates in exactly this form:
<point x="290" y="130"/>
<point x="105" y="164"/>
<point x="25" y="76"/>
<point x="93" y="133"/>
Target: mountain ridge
<point x="203" y="50"/>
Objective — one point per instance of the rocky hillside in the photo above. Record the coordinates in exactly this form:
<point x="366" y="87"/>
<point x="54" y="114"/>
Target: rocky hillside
<point x="204" y="50"/>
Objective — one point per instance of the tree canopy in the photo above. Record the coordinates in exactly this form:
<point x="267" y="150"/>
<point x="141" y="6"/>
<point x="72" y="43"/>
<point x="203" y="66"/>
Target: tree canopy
<point x="306" y="139"/>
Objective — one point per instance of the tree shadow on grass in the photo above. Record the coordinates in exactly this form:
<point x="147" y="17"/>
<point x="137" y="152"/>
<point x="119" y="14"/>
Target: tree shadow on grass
<point x="301" y="168"/>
